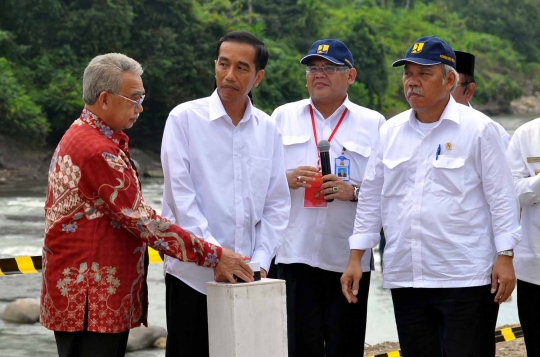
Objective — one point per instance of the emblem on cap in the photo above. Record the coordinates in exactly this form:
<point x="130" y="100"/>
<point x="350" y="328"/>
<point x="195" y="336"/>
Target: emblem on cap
<point x="417" y="47"/>
<point x="323" y="49"/>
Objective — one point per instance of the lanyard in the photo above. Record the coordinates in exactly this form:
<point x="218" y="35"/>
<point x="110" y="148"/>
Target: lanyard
<point x="333" y="131"/>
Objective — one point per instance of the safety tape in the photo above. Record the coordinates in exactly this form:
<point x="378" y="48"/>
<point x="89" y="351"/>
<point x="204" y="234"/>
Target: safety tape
<point x="505" y="334"/>
<point x="33" y="265"/>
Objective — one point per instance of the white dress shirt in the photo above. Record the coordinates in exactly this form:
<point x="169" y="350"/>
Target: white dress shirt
<point x="444" y="218"/>
<point x="224" y="183"/>
<point x="319" y="236"/>
<point x="525" y="144"/>
<point x="505" y="137"/>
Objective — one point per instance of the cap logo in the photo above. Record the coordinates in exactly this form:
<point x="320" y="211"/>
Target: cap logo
<point x="448" y="58"/>
<point x="417" y="47"/>
<point x="323" y="49"/>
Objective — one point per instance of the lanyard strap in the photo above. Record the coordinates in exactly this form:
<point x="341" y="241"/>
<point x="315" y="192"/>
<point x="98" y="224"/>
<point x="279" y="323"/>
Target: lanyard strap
<point x="333" y="131"/>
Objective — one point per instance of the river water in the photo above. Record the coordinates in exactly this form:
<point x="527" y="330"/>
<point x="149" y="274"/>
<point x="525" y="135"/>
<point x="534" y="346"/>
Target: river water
<point x="21" y="234"/>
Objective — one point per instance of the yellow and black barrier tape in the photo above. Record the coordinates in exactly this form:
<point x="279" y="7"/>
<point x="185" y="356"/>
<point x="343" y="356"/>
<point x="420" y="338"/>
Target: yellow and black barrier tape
<point x="33" y="265"/>
<point x="389" y="354"/>
<point x="505" y="334"/>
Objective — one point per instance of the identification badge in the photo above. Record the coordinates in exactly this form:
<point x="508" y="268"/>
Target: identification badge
<point x="343" y="168"/>
<point x="313" y="197"/>
<point x="531" y="160"/>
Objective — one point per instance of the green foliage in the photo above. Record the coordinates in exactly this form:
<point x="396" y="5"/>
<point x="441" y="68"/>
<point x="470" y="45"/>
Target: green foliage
<point x="46" y="44"/>
<point x="19" y="114"/>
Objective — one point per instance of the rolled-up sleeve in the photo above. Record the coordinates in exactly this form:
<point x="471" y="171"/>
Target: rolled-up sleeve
<point x="367" y="223"/>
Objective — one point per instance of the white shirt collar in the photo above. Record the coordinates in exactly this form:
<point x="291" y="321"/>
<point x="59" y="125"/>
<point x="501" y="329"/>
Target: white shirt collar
<point x="346" y="103"/>
<point x="450" y="112"/>
<point x="218" y="111"/>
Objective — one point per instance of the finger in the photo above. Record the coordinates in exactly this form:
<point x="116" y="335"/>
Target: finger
<point x="494" y="283"/>
<point x="330" y="177"/>
<point x="224" y="278"/>
<point x="345" y="283"/>
<point x="244" y="272"/>
<point x="304" y="185"/>
<point x="500" y="292"/>
<point x="307" y="174"/>
<point x="309" y="168"/>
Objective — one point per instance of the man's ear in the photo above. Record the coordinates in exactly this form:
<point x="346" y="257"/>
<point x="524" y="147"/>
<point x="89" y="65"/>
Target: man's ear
<point x="470" y="91"/>
<point x="351" y="76"/>
<point x="103" y="100"/>
<point x="451" y="78"/>
<point x="258" y="78"/>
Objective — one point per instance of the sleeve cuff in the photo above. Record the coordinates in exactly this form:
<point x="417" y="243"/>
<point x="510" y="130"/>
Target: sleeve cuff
<point x="364" y="241"/>
<point x="508" y="241"/>
<point x="535" y="185"/>
<point x="263" y="258"/>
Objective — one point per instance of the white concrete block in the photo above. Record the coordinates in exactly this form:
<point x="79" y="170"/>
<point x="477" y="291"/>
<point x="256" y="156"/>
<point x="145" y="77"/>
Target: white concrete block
<point x="247" y="320"/>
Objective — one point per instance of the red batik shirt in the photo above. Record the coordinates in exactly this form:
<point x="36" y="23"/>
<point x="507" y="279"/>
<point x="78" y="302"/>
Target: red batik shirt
<point x="97" y="226"/>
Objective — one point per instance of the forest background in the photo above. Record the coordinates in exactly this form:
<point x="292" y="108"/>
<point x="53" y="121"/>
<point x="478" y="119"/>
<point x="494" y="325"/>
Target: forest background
<point x="46" y="44"/>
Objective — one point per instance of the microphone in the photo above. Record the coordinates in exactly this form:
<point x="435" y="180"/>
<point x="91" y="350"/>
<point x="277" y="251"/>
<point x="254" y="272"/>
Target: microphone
<point x="324" y="150"/>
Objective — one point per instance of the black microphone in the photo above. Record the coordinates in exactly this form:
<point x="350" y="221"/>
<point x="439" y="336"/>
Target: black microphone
<point x="324" y="151"/>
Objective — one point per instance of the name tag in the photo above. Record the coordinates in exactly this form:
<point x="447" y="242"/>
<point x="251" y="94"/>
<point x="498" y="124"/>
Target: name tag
<point x="342" y="168"/>
<point x="532" y="159"/>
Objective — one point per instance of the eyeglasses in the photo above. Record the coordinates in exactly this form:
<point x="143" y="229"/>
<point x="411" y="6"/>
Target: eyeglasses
<point x="328" y="69"/>
<point x="136" y="103"/>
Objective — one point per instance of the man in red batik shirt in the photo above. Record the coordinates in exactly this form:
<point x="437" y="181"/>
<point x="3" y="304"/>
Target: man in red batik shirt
<point x="98" y="225"/>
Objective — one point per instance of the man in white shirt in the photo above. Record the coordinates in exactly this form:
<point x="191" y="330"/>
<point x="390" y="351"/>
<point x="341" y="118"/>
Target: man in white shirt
<point x="315" y="248"/>
<point x="438" y="184"/>
<point x="223" y="164"/>
<point x="524" y="158"/>
<point x="467" y="85"/>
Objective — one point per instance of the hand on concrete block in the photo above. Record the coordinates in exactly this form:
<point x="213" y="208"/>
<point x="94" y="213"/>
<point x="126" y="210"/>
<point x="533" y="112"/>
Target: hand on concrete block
<point x="232" y="264"/>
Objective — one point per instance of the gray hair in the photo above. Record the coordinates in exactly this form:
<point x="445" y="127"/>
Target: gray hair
<point x="104" y="74"/>
<point x="446" y="69"/>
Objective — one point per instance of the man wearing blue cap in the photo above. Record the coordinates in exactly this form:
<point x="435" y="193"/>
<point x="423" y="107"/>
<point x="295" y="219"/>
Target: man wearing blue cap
<point x="315" y="248"/>
<point x="438" y="183"/>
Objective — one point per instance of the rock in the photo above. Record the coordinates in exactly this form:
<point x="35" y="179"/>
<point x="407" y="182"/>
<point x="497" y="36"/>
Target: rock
<point x="153" y="173"/>
<point x="142" y="337"/>
<point x="161" y="342"/>
<point x="23" y="311"/>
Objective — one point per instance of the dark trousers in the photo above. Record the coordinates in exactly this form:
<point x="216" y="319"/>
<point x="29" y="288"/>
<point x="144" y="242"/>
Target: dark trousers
<point x="187" y="320"/>
<point x="449" y="322"/>
<point x="91" y="344"/>
<point x="528" y="303"/>
<point x="320" y="321"/>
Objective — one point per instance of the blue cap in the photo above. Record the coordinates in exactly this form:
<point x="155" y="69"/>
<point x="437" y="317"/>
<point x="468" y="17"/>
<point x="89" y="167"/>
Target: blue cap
<point x="333" y="50"/>
<point x="429" y="51"/>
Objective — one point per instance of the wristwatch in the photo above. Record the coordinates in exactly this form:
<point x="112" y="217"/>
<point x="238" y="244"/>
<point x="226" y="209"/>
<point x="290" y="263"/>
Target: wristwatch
<point x="355" y="192"/>
<point x="508" y="253"/>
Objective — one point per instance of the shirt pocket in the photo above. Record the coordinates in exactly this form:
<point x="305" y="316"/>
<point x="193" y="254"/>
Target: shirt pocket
<point x="448" y="175"/>
<point x="395" y="177"/>
<point x="359" y="156"/>
<point x="296" y="147"/>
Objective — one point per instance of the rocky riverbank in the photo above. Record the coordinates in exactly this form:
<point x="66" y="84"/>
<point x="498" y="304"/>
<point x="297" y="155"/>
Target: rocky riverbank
<point x="20" y="162"/>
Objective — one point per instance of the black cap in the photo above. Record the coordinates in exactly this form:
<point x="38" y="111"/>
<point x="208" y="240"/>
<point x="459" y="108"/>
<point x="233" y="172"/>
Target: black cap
<point x="465" y="63"/>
